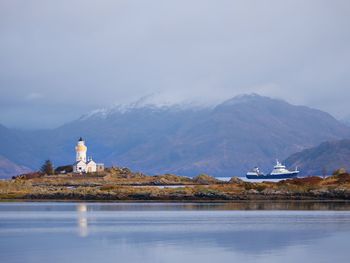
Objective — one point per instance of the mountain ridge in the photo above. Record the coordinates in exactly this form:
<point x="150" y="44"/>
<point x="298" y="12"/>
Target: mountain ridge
<point x="224" y="140"/>
<point x="322" y="159"/>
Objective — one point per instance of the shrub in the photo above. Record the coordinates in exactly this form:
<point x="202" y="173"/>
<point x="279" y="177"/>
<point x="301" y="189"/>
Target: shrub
<point x="47" y="168"/>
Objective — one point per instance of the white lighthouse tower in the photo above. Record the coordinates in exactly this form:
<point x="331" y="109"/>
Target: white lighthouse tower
<point x="81" y="150"/>
<point x="82" y="164"/>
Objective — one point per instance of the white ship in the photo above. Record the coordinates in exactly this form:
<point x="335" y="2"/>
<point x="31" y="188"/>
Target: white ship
<point x="279" y="172"/>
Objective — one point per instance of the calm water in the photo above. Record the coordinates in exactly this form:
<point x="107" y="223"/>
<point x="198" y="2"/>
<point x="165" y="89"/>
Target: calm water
<point x="129" y="232"/>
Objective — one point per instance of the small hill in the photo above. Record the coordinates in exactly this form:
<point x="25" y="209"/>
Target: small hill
<point x="326" y="157"/>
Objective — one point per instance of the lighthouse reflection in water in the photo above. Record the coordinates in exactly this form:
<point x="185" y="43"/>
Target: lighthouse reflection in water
<point x="83" y="230"/>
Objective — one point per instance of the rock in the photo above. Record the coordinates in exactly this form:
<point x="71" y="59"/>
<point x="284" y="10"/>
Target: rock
<point x="252" y="191"/>
<point x="236" y="180"/>
<point x="170" y="179"/>
<point x="268" y="191"/>
<point x="340" y="171"/>
<point x="205" y="179"/>
<point x="319" y="192"/>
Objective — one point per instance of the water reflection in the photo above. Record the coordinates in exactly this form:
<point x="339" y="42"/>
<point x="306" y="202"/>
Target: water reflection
<point x="82" y="220"/>
<point x="164" y="232"/>
<point x="82" y="208"/>
<point x="243" y="205"/>
<point x="239" y="205"/>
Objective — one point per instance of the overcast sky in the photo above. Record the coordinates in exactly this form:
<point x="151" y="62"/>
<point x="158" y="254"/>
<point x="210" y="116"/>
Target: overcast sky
<point x="60" y="59"/>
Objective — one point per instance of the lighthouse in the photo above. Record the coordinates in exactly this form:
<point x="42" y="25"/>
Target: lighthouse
<point x="80" y="150"/>
<point x="83" y="164"/>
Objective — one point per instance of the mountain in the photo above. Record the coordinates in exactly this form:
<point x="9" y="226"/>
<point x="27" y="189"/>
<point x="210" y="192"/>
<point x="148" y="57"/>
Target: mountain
<point x="346" y="121"/>
<point x="322" y="159"/>
<point x="8" y="168"/>
<point x="224" y="140"/>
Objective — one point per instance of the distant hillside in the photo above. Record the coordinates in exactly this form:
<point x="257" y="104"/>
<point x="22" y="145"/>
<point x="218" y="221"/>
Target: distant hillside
<point x="8" y="168"/>
<point x="346" y="121"/>
<point x="225" y="140"/>
<point x="328" y="156"/>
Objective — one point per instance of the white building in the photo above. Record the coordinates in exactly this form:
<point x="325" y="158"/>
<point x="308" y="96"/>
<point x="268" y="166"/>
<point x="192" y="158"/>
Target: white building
<point x="83" y="164"/>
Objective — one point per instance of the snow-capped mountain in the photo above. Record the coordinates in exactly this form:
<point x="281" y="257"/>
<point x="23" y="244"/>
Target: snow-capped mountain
<point x="185" y="139"/>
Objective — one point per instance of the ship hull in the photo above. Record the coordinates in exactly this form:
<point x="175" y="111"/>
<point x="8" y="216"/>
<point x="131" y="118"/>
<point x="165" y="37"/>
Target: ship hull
<point x="273" y="176"/>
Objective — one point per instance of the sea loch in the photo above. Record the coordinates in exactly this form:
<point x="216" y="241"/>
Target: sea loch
<point x="176" y="232"/>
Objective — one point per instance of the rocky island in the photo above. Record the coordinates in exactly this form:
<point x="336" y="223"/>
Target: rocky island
<point x="121" y="184"/>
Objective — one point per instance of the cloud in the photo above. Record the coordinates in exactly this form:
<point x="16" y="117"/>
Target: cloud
<point x="85" y="54"/>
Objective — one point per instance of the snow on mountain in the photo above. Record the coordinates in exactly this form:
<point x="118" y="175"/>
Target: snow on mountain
<point x="147" y="102"/>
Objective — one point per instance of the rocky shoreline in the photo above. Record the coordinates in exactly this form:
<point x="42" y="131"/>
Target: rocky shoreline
<point x="200" y="196"/>
<point x="120" y="184"/>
